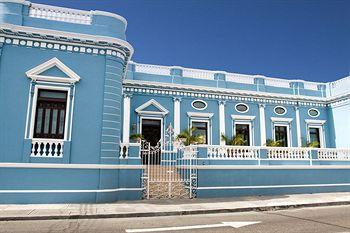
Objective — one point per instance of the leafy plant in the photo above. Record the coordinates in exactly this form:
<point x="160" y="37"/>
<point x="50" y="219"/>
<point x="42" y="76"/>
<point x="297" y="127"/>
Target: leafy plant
<point x="136" y="137"/>
<point x="273" y="143"/>
<point x="237" y="140"/>
<point x="314" y="144"/>
<point x="188" y="138"/>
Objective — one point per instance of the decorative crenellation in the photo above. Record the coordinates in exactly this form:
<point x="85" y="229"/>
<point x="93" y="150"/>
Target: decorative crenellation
<point x="219" y="97"/>
<point x="61" y="46"/>
<point x="230" y="77"/>
<point x="60" y="14"/>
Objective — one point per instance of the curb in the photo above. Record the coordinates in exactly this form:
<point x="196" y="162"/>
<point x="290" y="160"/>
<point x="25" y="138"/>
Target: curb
<point x="171" y="213"/>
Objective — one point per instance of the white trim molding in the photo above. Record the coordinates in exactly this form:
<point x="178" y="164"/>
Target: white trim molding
<point x="262" y="124"/>
<point x="316" y="122"/>
<point x="200" y="114"/>
<point x="222" y="121"/>
<point x="177" y="116"/>
<point x="126" y="118"/>
<point x="242" y="117"/>
<point x="281" y="119"/>
<point x="162" y="110"/>
<point x="35" y="73"/>
<point x="297" y="118"/>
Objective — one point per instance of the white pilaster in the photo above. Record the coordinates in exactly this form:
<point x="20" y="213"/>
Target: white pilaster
<point x="262" y="124"/>
<point x="222" y="120"/>
<point x="126" y="118"/>
<point x="297" y="118"/>
<point x="177" y="116"/>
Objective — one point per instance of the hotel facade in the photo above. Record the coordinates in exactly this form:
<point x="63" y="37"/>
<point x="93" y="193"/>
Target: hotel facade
<point x="74" y="107"/>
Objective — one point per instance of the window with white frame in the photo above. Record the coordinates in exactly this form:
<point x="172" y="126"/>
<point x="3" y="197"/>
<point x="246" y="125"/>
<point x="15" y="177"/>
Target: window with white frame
<point x="243" y="129"/>
<point x="314" y="136"/>
<point x="315" y="133"/>
<point x="201" y="128"/>
<point x="51" y="107"/>
<point x="281" y="134"/>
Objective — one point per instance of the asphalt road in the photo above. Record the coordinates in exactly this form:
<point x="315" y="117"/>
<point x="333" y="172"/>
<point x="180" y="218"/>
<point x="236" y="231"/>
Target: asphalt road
<point x="319" y="219"/>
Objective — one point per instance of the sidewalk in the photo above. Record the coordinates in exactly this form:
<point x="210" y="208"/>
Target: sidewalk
<point x="147" y="208"/>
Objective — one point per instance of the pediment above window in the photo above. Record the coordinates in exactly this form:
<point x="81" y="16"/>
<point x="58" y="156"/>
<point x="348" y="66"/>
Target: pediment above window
<point x="152" y="107"/>
<point x="53" y="70"/>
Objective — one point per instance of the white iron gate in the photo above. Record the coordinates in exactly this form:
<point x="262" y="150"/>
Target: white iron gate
<point x="168" y="172"/>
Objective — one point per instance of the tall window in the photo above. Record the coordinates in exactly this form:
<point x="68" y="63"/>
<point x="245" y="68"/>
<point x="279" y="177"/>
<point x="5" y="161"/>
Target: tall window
<point x="201" y="128"/>
<point x="244" y="131"/>
<point x="315" y="136"/>
<point x="50" y="114"/>
<point x="281" y="134"/>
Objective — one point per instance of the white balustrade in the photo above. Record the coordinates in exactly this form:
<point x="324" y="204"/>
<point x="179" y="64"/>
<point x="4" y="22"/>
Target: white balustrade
<point x="152" y="69"/>
<point x="48" y="148"/>
<point x="288" y="153"/>
<point x="195" y="73"/>
<point x="60" y="14"/>
<point x="333" y="154"/>
<point x="232" y="152"/>
<point x="189" y="151"/>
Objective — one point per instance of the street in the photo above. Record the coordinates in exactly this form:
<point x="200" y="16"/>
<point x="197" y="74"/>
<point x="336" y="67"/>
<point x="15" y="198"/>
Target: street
<point x="318" y="219"/>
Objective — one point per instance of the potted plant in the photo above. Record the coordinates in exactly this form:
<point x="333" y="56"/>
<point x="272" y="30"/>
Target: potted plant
<point x="186" y="137"/>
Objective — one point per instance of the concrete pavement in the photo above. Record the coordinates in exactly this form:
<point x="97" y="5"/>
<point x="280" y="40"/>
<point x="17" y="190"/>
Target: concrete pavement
<point x="147" y="208"/>
<point x="334" y="219"/>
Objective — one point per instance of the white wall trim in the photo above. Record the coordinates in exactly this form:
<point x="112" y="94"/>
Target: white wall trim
<point x="222" y="121"/>
<point x="242" y="117"/>
<point x="71" y="190"/>
<point x="126" y="119"/>
<point x="297" y="119"/>
<point x="177" y="116"/>
<point x="70" y="166"/>
<point x="273" y="186"/>
<point x="200" y="114"/>
<point x="317" y="122"/>
<point x="162" y="110"/>
<point x="262" y="124"/>
<point x="281" y="119"/>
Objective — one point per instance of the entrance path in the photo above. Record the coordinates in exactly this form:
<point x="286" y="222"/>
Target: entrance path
<point x="148" y="208"/>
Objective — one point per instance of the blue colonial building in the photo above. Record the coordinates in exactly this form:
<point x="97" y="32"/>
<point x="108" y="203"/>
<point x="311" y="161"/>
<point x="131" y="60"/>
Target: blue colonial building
<point x="81" y="122"/>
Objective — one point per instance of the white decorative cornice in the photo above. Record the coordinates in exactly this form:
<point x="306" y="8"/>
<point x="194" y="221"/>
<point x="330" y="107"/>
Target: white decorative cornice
<point x="36" y="73"/>
<point x="281" y="119"/>
<point x="242" y="117"/>
<point x="224" y="93"/>
<point x="54" y="36"/>
<point x="200" y="114"/>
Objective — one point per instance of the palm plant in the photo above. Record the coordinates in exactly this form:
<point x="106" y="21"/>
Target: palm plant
<point x="188" y="137"/>
<point x="237" y="140"/>
<point x="273" y="143"/>
<point x="136" y="137"/>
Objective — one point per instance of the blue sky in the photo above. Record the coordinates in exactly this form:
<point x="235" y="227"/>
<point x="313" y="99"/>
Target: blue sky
<point x="289" y="39"/>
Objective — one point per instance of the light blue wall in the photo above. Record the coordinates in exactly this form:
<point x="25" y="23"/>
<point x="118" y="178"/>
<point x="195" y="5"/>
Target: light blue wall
<point x="341" y="119"/>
